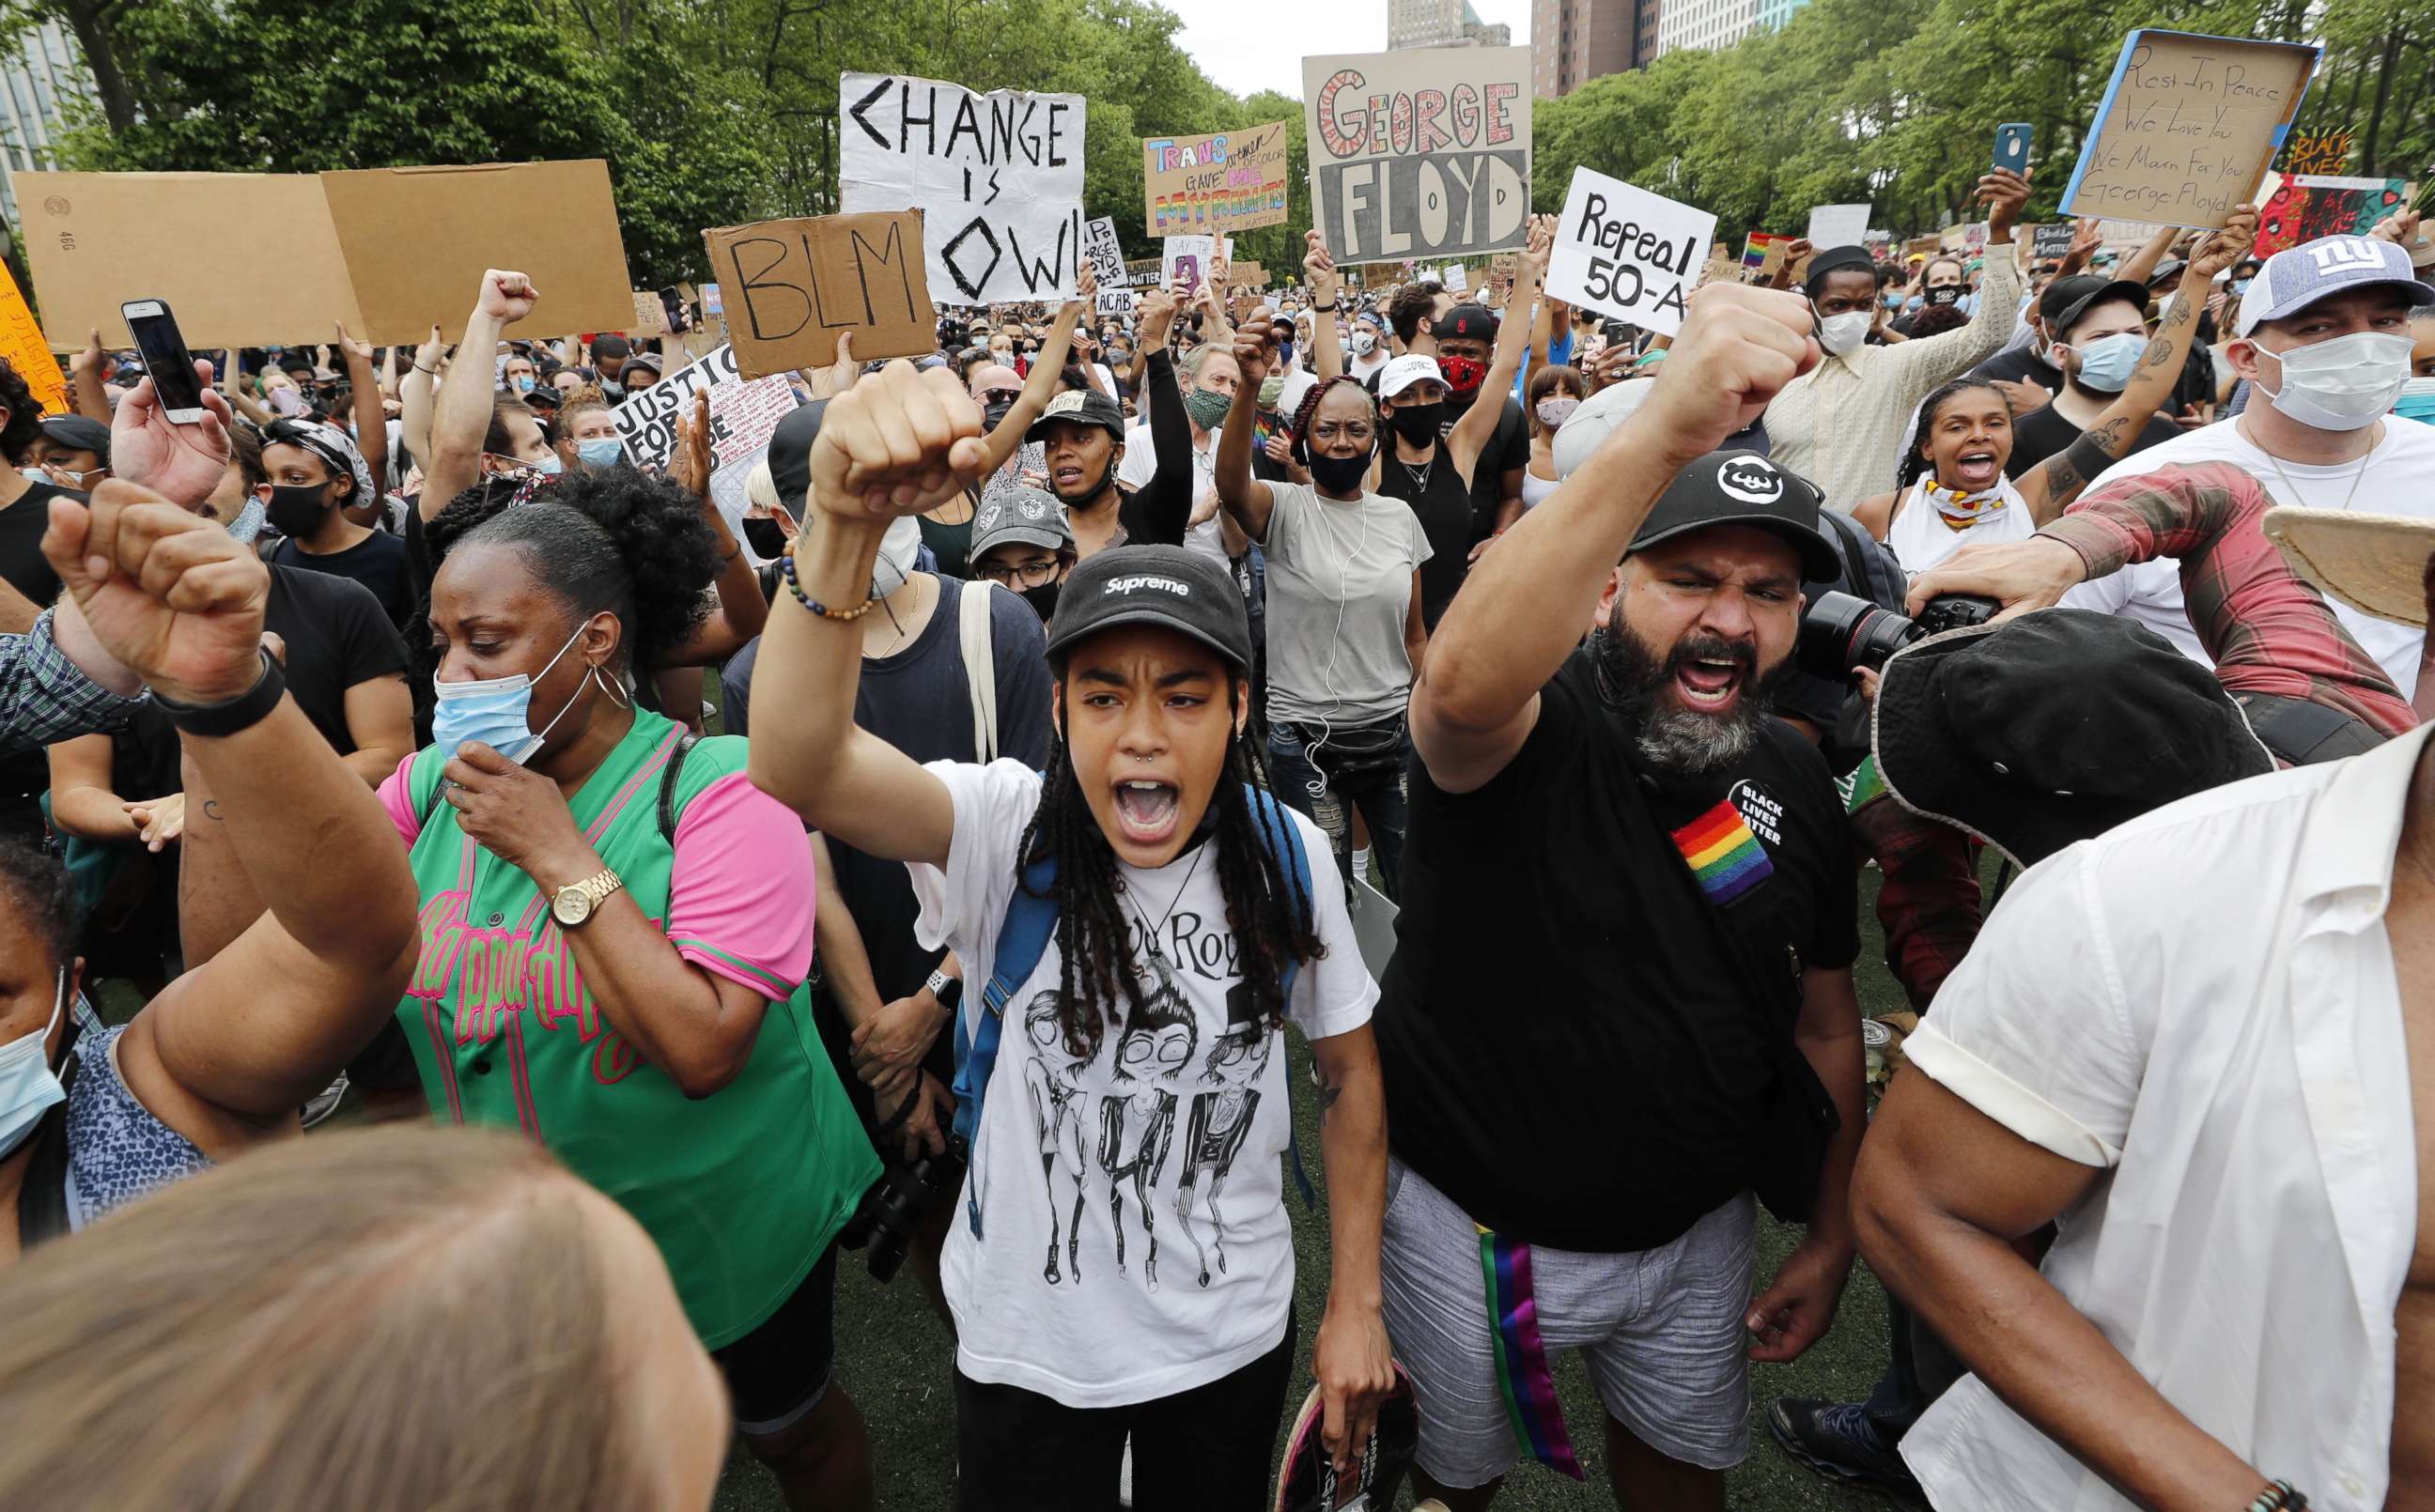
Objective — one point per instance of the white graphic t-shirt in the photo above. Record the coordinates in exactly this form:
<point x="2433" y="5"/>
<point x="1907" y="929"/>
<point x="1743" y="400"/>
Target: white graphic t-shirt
<point x="1134" y="1240"/>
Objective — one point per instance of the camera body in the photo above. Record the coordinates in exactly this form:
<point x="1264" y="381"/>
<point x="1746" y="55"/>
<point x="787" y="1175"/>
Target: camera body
<point x="1841" y="634"/>
<point x="885" y="1220"/>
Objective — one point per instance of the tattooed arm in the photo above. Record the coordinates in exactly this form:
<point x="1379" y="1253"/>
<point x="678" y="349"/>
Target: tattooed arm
<point x="1353" y="1361"/>
<point x="2052" y="485"/>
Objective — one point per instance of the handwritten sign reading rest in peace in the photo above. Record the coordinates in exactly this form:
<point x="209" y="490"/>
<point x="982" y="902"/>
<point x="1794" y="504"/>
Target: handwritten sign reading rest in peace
<point x="2187" y="127"/>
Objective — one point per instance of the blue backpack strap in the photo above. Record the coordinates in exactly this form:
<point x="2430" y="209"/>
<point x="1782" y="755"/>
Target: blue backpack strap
<point x="1022" y="939"/>
<point x="1282" y="837"/>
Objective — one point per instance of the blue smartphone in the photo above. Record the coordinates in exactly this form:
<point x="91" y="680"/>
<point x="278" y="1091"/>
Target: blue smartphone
<point x="2012" y="146"/>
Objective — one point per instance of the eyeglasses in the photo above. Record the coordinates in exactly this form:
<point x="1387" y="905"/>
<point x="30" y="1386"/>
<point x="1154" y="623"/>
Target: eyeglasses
<point x="1328" y="432"/>
<point x="1029" y="574"/>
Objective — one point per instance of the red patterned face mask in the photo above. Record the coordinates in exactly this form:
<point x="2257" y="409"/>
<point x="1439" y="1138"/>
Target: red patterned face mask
<point x="1462" y="374"/>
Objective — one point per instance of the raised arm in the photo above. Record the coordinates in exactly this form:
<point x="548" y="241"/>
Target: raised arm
<point x="2136" y="268"/>
<point x="742" y="611"/>
<point x="896" y="443"/>
<point x="1246" y="500"/>
<point x="1160" y="512"/>
<point x="1924" y="362"/>
<point x="1478" y="422"/>
<point x="372" y="423"/>
<point x="462" y="416"/>
<point x="2060" y="478"/>
<point x="260" y="1028"/>
<point x="233" y="389"/>
<point x="417" y="390"/>
<point x="1520" y="612"/>
<point x="85" y="389"/>
<point x="1326" y="299"/>
<point x="1040" y="386"/>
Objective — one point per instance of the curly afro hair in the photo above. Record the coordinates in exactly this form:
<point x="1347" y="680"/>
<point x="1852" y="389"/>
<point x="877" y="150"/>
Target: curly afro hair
<point x="631" y="542"/>
<point x="24" y="421"/>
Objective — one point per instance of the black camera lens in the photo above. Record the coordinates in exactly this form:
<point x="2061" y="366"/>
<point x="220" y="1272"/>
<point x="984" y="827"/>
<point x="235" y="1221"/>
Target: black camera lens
<point x="1952" y="611"/>
<point x="1842" y="633"/>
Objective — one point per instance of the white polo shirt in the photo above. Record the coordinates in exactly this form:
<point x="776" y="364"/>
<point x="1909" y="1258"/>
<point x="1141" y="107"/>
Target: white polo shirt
<point x="2203" y="1002"/>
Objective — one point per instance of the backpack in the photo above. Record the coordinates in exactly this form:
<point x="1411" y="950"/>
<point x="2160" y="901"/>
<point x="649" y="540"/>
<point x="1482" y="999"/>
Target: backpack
<point x="1023" y="938"/>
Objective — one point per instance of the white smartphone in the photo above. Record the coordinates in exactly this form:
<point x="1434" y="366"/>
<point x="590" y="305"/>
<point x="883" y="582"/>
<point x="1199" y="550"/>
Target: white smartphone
<point x="165" y="359"/>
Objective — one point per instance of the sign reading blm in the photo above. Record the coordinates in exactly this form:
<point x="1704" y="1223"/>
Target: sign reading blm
<point x="997" y="176"/>
<point x="1423" y="154"/>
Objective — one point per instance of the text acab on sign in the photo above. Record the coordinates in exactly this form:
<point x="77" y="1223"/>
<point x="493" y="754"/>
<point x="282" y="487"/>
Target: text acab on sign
<point x="997" y="176"/>
<point x="1421" y="154"/>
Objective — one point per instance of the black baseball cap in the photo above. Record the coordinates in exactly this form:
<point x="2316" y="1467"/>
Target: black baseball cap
<point x="1172" y="587"/>
<point x="2068" y="299"/>
<point x="1743" y="488"/>
<point x="1476" y="323"/>
<point x="790" y="456"/>
<point x="78" y="432"/>
<point x="1090" y="407"/>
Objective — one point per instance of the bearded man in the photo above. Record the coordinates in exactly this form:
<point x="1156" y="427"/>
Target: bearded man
<point x="1622" y="1003"/>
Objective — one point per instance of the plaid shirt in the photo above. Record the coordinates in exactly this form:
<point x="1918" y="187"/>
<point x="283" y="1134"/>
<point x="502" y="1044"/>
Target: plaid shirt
<point x="1927" y="893"/>
<point x="2269" y="631"/>
<point x="47" y="697"/>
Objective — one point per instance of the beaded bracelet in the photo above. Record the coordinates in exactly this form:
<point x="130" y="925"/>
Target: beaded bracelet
<point x="844" y="616"/>
<point x="2279" y="1497"/>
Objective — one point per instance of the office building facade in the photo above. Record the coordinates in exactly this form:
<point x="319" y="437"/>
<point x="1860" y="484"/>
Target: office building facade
<point x="1573" y="41"/>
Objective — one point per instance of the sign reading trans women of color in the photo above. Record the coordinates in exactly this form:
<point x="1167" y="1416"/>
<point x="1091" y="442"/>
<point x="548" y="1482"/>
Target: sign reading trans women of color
<point x="997" y="178"/>
<point x="1197" y="185"/>
<point x="1421" y="154"/>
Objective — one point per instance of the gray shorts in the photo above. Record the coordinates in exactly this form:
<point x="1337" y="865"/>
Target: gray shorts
<point x="1662" y="1330"/>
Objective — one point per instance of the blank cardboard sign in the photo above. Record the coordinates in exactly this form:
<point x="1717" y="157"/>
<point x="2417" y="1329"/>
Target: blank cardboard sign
<point x="794" y="286"/>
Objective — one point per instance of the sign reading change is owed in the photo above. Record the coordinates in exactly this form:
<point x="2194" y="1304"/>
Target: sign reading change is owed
<point x="1628" y="254"/>
<point x="997" y="176"/>
<point x="1423" y="154"/>
<point x="2187" y="128"/>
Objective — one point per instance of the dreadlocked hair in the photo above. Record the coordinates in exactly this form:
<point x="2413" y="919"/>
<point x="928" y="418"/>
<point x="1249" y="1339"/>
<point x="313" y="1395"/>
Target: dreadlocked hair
<point x="1914" y="463"/>
<point x="1272" y="915"/>
<point x="1309" y="406"/>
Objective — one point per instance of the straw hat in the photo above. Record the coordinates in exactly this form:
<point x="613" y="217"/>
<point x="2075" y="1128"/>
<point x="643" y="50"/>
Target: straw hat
<point x="2376" y="564"/>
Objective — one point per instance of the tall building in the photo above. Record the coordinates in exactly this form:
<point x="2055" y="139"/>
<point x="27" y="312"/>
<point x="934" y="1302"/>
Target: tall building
<point x="38" y="77"/>
<point x="1442" y="23"/>
<point x="1719" y="23"/>
<point x="1573" y="41"/>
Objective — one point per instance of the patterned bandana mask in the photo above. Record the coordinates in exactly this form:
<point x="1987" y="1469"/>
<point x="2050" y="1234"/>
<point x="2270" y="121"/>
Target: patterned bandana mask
<point x="1960" y="510"/>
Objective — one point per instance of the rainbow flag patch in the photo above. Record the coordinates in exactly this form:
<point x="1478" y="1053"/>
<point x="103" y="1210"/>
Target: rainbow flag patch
<point x="1723" y="853"/>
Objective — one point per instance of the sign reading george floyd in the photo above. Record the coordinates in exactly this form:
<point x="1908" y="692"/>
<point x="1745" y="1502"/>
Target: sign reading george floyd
<point x="1229" y="181"/>
<point x="999" y="177"/>
<point x="1421" y="154"/>
<point x="1628" y="254"/>
<point x="2187" y="127"/>
<point x="795" y="286"/>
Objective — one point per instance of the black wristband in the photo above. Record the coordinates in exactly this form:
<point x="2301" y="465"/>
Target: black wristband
<point x="1329" y="308"/>
<point x="244" y="712"/>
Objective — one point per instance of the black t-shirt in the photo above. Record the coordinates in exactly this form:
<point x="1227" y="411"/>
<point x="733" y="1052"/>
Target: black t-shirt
<point x="26" y="774"/>
<point x="1571" y="1054"/>
<point x="2018" y="363"/>
<point x="2041" y="433"/>
<point x="1507" y="447"/>
<point x="337" y="636"/>
<point x="1444" y="507"/>
<point x="377" y="561"/>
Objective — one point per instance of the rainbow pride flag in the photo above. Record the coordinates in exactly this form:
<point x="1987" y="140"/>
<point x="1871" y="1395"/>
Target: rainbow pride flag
<point x="1531" y="1410"/>
<point x="1723" y="853"/>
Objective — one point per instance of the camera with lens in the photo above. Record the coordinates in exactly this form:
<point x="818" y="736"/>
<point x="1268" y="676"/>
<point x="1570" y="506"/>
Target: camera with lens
<point x="890" y="1212"/>
<point x="1841" y="634"/>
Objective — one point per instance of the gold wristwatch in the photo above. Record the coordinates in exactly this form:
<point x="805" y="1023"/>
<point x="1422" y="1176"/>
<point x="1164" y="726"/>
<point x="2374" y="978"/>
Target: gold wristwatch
<point x="573" y="905"/>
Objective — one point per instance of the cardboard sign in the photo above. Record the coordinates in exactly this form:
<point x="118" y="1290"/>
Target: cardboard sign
<point x="1247" y="275"/>
<point x="1423" y="153"/>
<point x="997" y="176"/>
<point x="2051" y="243"/>
<point x="1832" y="226"/>
<point x="1229" y="181"/>
<point x="797" y="283"/>
<point x="1718" y="270"/>
<point x="2187" y="126"/>
<point x="712" y="302"/>
<point x="22" y="344"/>
<point x="650" y="316"/>
<point x="742" y="414"/>
<point x="1105" y="255"/>
<point x="2305" y="207"/>
<point x="1455" y="277"/>
<point x="1114" y="301"/>
<point x="1627" y="253"/>
<point x="1763" y="253"/>
<point x="1187" y="260"/>
<point x="2317" y="153"/>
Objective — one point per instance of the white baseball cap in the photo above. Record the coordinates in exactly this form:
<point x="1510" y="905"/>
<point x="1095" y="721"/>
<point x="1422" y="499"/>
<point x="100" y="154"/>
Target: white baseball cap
<point x="1404" y="371"/>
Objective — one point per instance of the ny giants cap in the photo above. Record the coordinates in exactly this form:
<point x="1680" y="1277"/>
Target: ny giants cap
<point x="2297" y="277"/>
<point x="1170" y="587"/>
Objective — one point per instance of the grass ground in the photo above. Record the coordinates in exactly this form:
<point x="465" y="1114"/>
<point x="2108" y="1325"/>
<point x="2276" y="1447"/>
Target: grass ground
<point x="895" y="1356"/>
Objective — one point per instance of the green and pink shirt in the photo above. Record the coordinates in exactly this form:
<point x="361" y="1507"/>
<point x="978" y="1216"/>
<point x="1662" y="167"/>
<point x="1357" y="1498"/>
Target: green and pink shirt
<point x="742" y="1190"/>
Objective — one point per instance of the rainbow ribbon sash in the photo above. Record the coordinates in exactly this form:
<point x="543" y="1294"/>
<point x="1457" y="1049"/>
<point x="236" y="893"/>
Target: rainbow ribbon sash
<point x="1723" y="853"/>
<point x="1522" y="1378"/>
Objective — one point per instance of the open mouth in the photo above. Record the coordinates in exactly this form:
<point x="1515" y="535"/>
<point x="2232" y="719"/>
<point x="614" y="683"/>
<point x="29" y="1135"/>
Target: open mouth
<point x="1066" y="478"/>
<point x="1708" y="683"/>
<point x="1977" y="469"/>
<point x="1145" y="810"/>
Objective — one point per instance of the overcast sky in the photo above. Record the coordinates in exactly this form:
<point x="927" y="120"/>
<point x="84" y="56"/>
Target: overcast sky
<point x="1249" y="45"/>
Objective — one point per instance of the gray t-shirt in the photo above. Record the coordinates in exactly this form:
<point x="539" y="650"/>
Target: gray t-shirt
<point x="1339" y="589"/>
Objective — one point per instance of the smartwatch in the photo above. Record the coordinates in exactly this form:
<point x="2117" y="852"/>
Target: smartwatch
<point x="949" y="991"/>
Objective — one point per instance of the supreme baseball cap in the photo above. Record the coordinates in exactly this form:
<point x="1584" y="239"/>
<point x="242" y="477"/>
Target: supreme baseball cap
<point x="1743" y="488"/>
<point x="1171" y="587"/>
<point x="2297" y="277"/>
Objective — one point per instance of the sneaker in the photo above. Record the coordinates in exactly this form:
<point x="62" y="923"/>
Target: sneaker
<point x="325" y="1102"/>
<point x="1840" y="1441"/>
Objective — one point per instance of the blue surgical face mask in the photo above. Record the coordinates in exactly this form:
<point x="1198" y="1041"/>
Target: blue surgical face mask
<point x="524" y="383"/>
<point x="2417" y="400"/>
<point x="549" y="463"/>
<point x="601" y="450"/>
<point x="28" y="1086"/>
<point x="496" y="710"/>
<point x="33" y="475"/>
<point x="2107" y="363"/>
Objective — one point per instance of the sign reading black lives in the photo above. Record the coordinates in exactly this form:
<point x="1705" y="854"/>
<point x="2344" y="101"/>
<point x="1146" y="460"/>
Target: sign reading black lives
<point x="997" y="176"/>
<point x="1423" y="154"/>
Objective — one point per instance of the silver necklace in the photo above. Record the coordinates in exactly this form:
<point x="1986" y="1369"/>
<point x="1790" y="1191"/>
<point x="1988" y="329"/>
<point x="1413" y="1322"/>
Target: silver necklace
<point x="1150" y="931"/>
<point x="2296" y="497"/>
